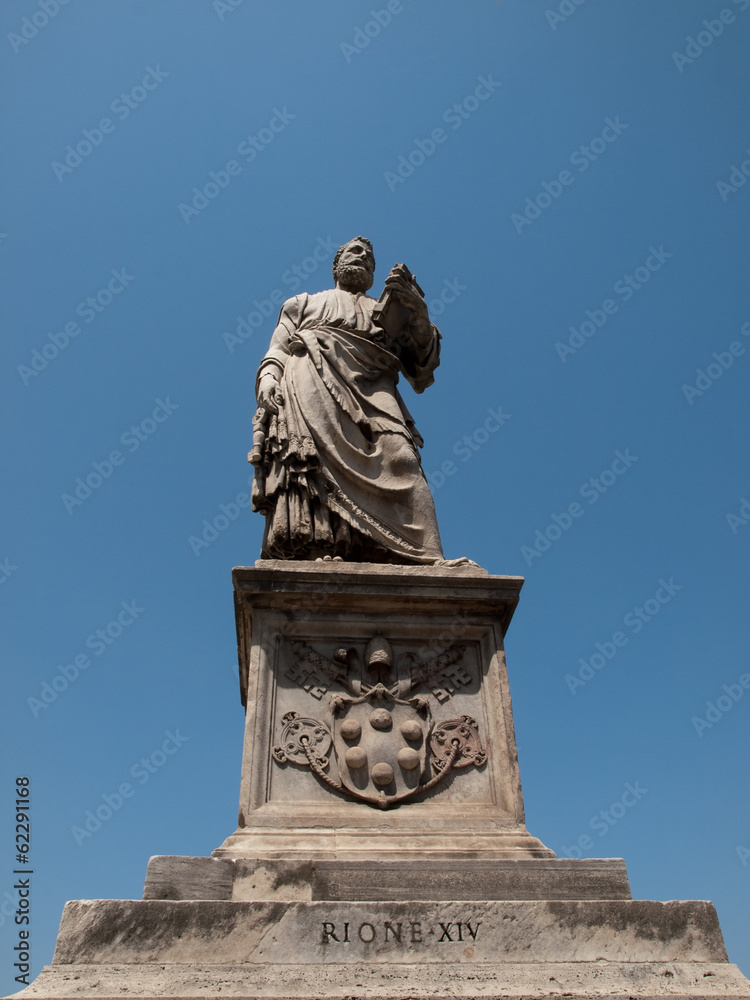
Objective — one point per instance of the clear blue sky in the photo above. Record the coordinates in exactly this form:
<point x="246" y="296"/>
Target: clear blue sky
<point x="575" y="171"/>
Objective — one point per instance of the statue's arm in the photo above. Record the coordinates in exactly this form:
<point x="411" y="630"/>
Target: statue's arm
<point x="421" y="357"/>
<point x="271" y="369"/>
<point x="418" y="344"/>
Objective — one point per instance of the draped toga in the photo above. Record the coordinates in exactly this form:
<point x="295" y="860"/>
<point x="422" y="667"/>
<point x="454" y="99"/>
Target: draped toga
<point x="341" y="473"/>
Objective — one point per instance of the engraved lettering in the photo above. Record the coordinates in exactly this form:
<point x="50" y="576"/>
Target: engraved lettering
<point x="371" y="932"/>
<point x="329" y="932"/>
<point x="395" y="931"/>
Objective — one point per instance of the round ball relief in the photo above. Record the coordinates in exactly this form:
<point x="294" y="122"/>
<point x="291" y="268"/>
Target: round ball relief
<point x="411" y="730"/>
<point x="382" y="774"/>
<point x="408" y="758"/>
<point x="381" y="718"/>
<point x="355" y="758"/>
<point x="351" y="729"/>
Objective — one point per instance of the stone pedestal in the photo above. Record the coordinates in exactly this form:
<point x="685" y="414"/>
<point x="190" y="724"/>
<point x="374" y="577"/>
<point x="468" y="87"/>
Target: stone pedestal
<point x="391" y="950"/>
<point x="351" y="657"/>
<point x="381" y="849"/>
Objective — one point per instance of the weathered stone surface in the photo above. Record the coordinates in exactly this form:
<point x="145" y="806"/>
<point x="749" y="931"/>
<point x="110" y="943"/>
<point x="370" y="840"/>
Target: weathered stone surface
<point x="158" y="931"/>
<point x="325" y="650"/>
<point x="268" y="878"/>
<point x="542" y="879"/>
<point x="169" y="877"/>
<point x="511" y="981"/>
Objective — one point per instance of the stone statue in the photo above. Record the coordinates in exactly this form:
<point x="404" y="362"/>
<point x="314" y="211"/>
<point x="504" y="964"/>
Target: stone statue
<point x="338" y="473"/>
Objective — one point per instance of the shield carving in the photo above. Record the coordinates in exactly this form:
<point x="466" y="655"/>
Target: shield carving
<point x="381" y="745"/>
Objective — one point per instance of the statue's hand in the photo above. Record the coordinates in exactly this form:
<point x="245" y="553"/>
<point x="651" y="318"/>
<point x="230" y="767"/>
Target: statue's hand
<point x="410" y="297"/>
<point x="270" y="396"/>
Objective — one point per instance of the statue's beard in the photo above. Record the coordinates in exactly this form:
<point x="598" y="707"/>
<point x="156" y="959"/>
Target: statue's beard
<point x="353" y="278"/>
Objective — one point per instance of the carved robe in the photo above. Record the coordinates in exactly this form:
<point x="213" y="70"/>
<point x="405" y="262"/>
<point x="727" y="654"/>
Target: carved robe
<point x="341" y="473"/>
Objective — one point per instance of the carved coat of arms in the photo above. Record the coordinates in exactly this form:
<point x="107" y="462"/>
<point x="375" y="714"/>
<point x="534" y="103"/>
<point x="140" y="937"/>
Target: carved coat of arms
<point x="386" y="747"/>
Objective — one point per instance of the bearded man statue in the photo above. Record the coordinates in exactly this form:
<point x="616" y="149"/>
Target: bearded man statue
<point x="338" y="473"/>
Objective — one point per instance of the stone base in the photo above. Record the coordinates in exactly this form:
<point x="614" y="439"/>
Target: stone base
<point x="451" y="878"/>
<point x="188" y="949"/>
<point x="511" y="981"/>
<point x="136" y="932"/>
<point x="411" y="844"/>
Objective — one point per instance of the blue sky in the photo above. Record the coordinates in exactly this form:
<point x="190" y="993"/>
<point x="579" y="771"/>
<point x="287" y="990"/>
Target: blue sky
<point x="566" y="181"/>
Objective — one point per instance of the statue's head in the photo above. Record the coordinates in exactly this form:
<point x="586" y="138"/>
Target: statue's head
<point x="354" y="265"/>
